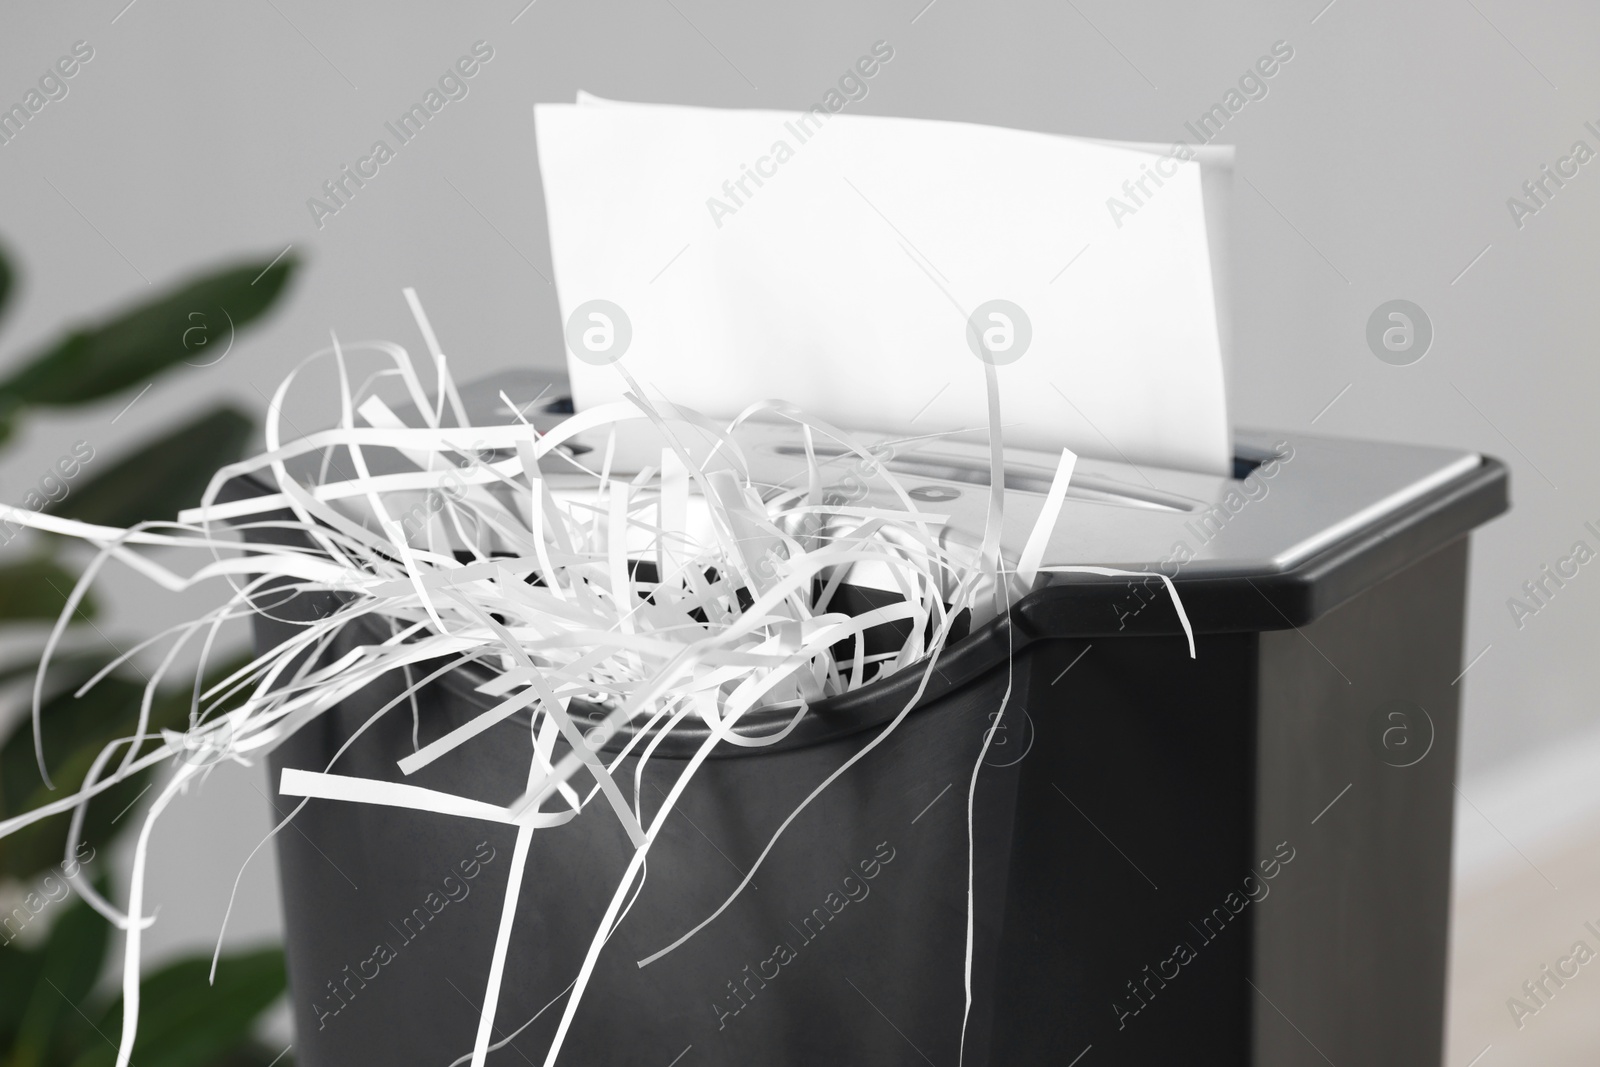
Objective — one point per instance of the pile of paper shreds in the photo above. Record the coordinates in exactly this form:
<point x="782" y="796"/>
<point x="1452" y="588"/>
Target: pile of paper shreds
<point x="528" y="565"/>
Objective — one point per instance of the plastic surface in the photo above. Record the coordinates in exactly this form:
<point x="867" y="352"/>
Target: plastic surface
<point x="389" y="937"/>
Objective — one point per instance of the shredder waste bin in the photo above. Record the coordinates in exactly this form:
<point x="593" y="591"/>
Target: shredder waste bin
<point x="1239" y="858"/>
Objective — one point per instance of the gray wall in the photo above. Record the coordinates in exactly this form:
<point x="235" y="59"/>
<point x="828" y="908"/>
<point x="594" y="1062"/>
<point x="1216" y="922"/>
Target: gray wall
<point x="1377" y="167"/>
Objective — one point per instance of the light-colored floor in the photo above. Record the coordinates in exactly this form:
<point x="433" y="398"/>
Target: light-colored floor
<point x="1528" y="882"/>
<point x="1505" y="933"/>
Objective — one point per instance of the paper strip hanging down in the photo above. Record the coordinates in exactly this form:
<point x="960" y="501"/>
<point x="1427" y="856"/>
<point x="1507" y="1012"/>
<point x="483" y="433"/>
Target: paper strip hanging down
<point x="835" y="261"/>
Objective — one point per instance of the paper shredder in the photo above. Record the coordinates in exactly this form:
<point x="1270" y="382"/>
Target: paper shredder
<point x="1240" y="858"/>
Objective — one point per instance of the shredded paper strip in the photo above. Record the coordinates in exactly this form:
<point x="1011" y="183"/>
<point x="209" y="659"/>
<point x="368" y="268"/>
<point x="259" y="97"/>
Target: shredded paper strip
<point x="511" y="549"/>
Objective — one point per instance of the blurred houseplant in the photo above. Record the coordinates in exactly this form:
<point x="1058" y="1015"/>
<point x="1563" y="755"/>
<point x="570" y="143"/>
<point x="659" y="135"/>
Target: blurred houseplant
<point x="53" y="947"/>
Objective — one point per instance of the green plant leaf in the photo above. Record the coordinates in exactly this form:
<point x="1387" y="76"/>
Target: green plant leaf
<point x="19" y="973"/>
<point x="194" y="322"/>
<point x="6" y="280"/>
<point x="252" y="1054"/>
<point x="37" y="589"/>
<point x="67" y="968"/>
<point x="164" y="476"/>
<point x="184" y="1022"/>
<point x="75" y="730"/>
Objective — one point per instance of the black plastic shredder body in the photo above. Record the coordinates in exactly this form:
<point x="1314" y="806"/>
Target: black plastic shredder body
<point x="1240" y="858"/>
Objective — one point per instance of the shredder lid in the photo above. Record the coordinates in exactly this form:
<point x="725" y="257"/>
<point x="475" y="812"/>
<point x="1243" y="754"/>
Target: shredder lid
<point x="1302" y="501"/>
<point x="1307" y="522"/>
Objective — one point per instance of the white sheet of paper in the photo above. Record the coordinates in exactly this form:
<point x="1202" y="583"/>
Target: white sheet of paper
<point x="843" y="279"/>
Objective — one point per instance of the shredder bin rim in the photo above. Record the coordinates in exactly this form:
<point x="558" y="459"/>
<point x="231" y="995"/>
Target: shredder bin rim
<point x="1251" y="601"/>
<point x="1276" y="600"/>
<point x="1082" y="606"/>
